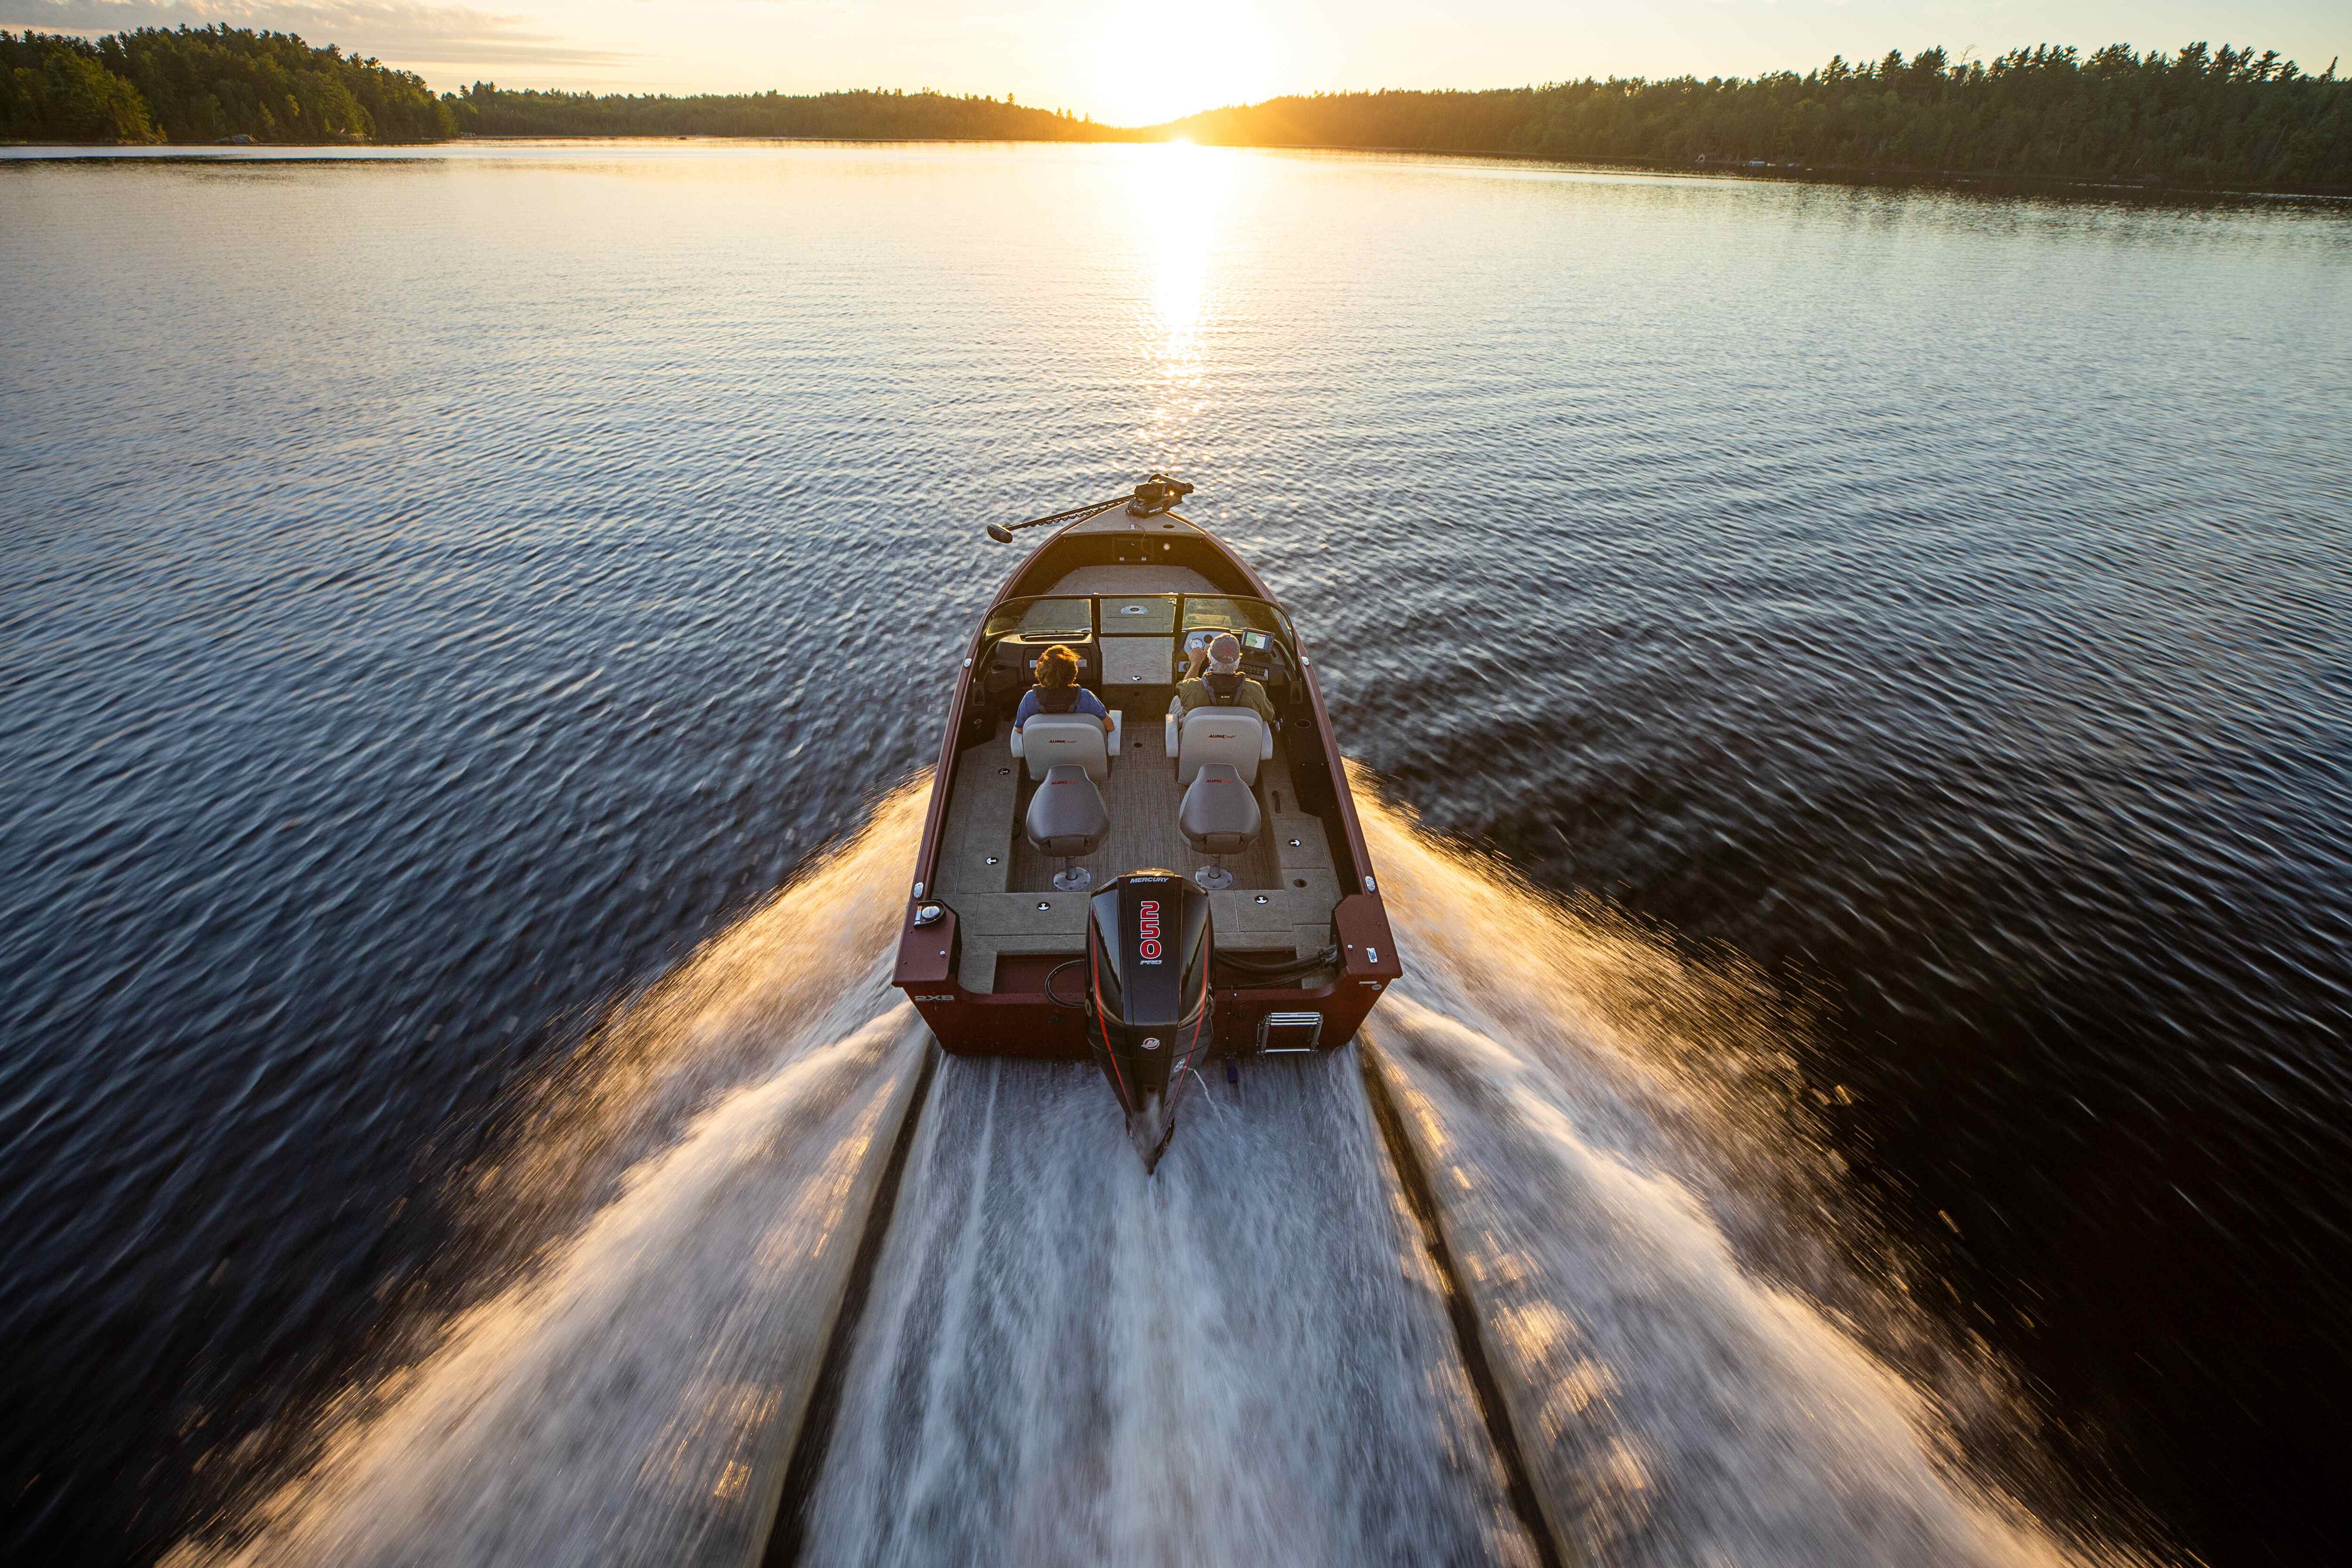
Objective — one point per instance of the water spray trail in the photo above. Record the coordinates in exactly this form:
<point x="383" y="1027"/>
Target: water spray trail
<point x="802" y="970"/>
<point x="1243" y="1360"/>
<point x="631" y="1392"/>
<point x="1246" y="1360"/>
<point x="1575" y="1095"/>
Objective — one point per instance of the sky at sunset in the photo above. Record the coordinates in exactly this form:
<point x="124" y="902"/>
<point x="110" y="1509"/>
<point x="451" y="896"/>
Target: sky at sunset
<point x="1134" y="63"/>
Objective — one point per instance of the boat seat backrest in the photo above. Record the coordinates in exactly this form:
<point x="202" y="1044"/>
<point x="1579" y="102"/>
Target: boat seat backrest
<point x="1219" y="814"/>
<point x="1205" y="735"/>
<point x="1051" y="739"/>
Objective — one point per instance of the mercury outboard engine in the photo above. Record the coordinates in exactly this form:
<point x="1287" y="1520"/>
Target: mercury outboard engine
<point x="1148" y="1014"/>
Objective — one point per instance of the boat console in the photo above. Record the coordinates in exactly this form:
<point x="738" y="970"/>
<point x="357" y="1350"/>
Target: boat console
<point x="1127" y="642"/>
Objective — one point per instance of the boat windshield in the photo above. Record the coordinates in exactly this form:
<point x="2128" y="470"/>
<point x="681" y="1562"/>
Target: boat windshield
<point x="1067" y="618"/>
<point x="1206" y="612"/>
<point x="1043" y="620"/>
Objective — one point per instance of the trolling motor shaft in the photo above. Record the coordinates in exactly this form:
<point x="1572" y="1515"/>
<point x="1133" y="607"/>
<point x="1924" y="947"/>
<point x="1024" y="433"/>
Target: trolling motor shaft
<point x="1156" y="494"/>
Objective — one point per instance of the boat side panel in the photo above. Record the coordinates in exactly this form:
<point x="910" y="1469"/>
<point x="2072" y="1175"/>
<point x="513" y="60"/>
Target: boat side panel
<point x="927" y="954"/>
<point x="942" y="776"/>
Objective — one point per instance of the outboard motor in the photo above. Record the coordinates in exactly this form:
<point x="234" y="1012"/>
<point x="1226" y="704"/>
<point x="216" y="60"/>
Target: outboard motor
<point x="1148" y="1014"/>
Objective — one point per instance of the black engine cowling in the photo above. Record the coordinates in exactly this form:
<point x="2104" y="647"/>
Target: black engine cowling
<point x="1148" y="946"/>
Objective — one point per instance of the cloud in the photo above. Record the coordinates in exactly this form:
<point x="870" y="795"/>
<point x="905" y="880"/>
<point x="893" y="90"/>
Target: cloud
<point x="403" y="32"/>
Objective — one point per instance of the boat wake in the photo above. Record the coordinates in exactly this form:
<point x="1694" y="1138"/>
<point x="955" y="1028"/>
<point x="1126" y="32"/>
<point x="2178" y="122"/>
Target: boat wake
<point x="678" y="1212"/>
<point x="1583" y="1102"/>
<point x="1244" y="1359"/>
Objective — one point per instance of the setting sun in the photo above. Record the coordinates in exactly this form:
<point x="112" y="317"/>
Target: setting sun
<point x="1171" y="62"/>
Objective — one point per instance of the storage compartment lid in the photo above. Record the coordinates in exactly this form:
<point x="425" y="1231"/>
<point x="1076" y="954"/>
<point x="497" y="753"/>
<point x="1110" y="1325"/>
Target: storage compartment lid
<point x="1153" y="615"/>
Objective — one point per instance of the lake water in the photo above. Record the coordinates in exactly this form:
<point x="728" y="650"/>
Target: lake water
<point x="441" y="590"/>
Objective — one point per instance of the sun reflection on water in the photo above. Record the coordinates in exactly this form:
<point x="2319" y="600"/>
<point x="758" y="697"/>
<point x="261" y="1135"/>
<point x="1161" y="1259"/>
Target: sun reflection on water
<point x="1181" y="197"/>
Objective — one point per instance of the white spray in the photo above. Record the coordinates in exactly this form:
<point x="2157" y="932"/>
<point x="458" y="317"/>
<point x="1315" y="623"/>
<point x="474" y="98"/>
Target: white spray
<point x="1243" y="1361"/>
<point x="1576" y="1094"/>
<point x="702" y="1170"/>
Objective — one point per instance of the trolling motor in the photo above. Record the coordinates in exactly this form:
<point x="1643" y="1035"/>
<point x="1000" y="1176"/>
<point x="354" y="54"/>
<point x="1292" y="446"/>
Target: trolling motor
<point x="1156" y="494"/>
<point x="1148" y="949"/>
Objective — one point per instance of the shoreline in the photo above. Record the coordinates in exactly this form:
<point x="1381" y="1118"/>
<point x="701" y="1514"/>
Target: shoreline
<point x="1786" y="173"/>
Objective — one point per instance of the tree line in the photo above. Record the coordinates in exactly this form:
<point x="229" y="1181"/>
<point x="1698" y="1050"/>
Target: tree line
<point x="2198" y="116"/>
<point x="202" y="84"/>
<point x="211" y="84"/>
<point x="488" y="109"/>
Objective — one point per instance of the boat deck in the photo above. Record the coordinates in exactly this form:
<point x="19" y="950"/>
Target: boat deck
<point x="1001" y="889"/>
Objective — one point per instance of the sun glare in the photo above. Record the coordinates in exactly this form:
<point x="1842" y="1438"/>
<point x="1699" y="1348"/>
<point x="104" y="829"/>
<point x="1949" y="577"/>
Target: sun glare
<point x="1170" y="61"/>
<point x="1185" y="187"/>
<point x="1180" y="199"/>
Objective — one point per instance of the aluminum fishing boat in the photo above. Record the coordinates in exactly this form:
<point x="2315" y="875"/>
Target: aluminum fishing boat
<point x="1176" y="885"/>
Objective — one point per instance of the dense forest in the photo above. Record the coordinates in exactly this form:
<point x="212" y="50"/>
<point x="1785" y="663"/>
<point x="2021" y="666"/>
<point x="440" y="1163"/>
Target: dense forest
<point x="208" y="84"/>
<point x="2201" y="116"/>
<point x="200" y="84"/>
<point x="488" y="109"/>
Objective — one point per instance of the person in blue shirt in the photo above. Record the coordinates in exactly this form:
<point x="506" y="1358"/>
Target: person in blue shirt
<point x="1057" y="690"/>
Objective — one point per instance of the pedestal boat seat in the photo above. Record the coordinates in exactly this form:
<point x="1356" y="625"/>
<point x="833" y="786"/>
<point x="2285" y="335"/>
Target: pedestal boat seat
<point x="1068" y="819"/>
<point x="1219" y="816"/>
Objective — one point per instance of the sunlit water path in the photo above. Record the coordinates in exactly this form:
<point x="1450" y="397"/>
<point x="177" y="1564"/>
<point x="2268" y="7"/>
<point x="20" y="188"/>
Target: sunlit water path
<point x="445" y="593"/>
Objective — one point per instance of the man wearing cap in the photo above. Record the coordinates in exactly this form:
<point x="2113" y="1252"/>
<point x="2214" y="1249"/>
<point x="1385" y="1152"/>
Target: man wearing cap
<point x="1222" y="684"/>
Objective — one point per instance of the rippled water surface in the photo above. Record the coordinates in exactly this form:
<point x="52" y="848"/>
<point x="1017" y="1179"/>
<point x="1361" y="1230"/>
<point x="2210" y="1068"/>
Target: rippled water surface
<point x="442" y="590"/>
